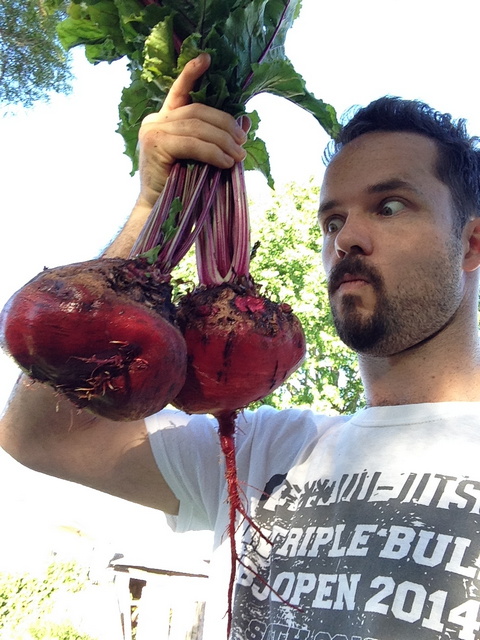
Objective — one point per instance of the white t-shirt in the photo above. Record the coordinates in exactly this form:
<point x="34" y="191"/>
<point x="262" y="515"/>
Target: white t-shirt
<point x="374" y="519"/>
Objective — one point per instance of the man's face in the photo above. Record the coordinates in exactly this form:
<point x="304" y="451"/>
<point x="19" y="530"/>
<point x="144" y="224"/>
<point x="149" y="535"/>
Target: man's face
<point x="393" y="261"/>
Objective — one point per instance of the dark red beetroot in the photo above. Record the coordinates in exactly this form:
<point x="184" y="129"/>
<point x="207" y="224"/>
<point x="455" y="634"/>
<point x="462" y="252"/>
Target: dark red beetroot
<point x="240" y="347"/>
<point x="100" y="332"/>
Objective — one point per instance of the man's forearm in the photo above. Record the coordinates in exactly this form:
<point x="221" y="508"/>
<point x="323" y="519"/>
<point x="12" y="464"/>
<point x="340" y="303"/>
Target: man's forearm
<point x="35" y="417"/>
<point x="42" y="430"/>
<point x="123" y="243"/>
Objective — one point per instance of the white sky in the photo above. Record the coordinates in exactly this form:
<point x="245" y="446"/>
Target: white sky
<point x="66" y="188"/>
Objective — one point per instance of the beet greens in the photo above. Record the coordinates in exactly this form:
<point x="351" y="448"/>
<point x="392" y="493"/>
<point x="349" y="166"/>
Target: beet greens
<point x="245" y="39"/>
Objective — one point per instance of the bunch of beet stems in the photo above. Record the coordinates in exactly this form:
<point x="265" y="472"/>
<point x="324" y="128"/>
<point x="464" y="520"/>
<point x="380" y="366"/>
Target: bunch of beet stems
<point x="178" y="215"/>
<point x="240" y="345"/>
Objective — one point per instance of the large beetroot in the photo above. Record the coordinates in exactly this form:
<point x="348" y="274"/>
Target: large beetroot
<point x="100" y="332"/>
<point x="241" y="347"/>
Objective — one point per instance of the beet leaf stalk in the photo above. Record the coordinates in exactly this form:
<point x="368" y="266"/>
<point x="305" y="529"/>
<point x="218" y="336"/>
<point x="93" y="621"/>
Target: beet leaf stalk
<point x="241" y="346"/>
<point x="178" y="214"/>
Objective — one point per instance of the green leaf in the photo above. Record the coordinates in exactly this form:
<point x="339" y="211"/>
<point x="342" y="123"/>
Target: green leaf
<point x="135" y="104"/>
<point x="73" y="32"/>
<point x="257" y="158"/>
<point x="257" y="154"/>
<point x="323" y="112"/>
<point x="76" y="11"/>
<point x="190" y="49"/>
<point x="106" y="50"/>
<point x="103" y="13"/>
<point x="245" y="39"/>
<point x="280" y="78"/>
<point x="151" y="255"/>
<point x="169" y="227"/>
<point x="159" y="55"/>
<point x="277" y="77"/>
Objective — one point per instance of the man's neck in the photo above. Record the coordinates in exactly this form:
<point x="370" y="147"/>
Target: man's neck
<point x="443" y="369"/>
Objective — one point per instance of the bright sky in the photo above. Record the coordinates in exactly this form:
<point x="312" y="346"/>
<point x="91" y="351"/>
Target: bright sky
<point x="66" y="188"/>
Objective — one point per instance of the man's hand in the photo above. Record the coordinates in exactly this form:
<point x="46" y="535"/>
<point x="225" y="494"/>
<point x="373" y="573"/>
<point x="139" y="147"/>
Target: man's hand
<point x="179" y="131"/>
<point x="182" y="130"/>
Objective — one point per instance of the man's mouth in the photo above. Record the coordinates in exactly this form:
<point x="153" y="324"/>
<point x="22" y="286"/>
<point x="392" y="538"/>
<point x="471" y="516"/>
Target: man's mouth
<point x="351" y="282"/>
<point x="351" y="275"/>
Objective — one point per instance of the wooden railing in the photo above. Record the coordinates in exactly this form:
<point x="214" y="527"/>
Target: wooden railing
<point x="160" y="605"/>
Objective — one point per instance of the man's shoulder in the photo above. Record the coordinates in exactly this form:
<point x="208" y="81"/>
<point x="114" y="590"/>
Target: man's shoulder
<point x="295" y="423"/>
<point x="297" y="415"/>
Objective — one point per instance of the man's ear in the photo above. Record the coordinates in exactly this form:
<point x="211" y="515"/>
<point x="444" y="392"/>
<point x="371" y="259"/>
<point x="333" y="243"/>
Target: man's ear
<point x="471" y="260"/>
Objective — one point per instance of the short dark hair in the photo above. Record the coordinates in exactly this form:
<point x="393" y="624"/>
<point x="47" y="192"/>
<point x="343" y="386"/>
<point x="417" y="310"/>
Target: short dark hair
<point x="458" y="164"/>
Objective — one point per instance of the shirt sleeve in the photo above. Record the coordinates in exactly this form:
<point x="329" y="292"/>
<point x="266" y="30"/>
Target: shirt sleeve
<point x="187" y="452"/>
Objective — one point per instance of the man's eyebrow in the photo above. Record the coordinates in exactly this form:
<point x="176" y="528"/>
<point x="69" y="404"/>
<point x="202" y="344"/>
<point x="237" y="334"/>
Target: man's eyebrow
<point x="391" y="185"/>
<point x="326" y="206"/>
<point x="379" y="187"/>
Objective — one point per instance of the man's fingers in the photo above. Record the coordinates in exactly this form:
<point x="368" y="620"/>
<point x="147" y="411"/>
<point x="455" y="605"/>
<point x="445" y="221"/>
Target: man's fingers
<point x="197" y="121"/>
<point x="186" y="130"/>
<point x="179" y="94"/>
<point x="196" y="138"/>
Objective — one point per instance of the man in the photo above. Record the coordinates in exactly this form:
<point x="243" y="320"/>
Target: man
<point x="372" y="520"/>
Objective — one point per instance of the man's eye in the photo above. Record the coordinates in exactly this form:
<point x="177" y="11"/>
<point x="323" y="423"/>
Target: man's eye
<point x="333" y="225"/>
<point x="391" y="207"/>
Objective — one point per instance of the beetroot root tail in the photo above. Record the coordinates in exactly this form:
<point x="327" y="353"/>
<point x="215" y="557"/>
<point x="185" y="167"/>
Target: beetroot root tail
<point x="226" y="422"/>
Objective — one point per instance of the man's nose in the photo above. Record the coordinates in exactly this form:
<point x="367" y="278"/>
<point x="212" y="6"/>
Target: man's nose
<point x="354" y="237"/>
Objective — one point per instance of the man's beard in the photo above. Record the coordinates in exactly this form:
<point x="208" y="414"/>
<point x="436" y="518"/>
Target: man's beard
<point x="418" y="310"/>
<point x="357" y="332"/>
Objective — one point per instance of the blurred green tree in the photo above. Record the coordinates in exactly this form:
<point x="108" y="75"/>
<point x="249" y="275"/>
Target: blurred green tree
<point x="26" y="601"/>
<point x="33" y="63"/>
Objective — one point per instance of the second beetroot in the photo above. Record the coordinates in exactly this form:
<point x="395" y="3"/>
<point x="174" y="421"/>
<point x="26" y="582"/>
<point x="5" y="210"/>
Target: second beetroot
<point x="240" y="346"/>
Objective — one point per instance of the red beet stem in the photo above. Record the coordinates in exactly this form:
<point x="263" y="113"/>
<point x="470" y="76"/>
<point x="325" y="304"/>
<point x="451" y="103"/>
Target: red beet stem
<point x="223" y="245"/>
<point x="178" y="215"/>
<point x="236" y="506"/>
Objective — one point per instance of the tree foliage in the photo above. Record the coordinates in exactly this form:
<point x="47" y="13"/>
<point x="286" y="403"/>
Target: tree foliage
<point x="287" y="263"/>
<point x="33" y="63"/>
<point x="288" y="260"/>
<point x="26" y="601"/>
